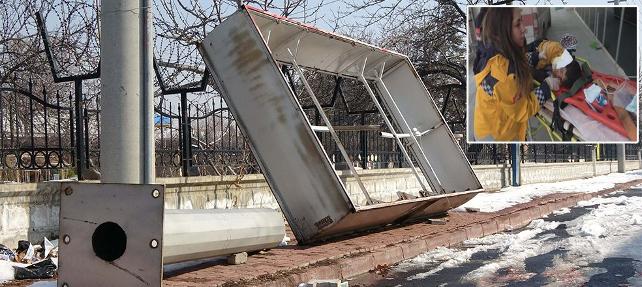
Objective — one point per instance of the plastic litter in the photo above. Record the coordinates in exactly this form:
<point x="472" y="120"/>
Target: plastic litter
<point x="622" y="97"/>
<point x="285" y="241"/>
<point x="593" y="94"/>
<point x="6" y="253"/>
<point x="44" y="269"/>
<point x="49" y="247"/>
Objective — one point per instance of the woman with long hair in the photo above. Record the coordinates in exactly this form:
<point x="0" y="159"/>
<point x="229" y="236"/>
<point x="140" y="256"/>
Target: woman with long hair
<point x="506" y="96"/>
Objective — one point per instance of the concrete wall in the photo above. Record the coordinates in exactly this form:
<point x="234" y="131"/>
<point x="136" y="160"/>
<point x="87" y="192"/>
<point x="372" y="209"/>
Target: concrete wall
<point x="30" y="211"/>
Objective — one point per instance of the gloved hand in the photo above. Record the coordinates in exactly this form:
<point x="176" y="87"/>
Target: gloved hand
<point x="553" y="83"/>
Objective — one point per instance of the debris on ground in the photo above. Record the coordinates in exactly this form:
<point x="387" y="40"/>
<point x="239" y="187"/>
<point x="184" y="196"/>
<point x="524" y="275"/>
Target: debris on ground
<point x="29" y="261"/>
<point x="44" y="269"/>
<point x="7" y="254"/>
<point x="237" y="258"/>
<point x="438" y="221"/>
<point x="324" y="283"/>
<point x="285" y="241"/>
<point x="381" y="270"/>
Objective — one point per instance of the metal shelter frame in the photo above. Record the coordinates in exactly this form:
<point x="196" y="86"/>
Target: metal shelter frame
<point x="247" y="55"/>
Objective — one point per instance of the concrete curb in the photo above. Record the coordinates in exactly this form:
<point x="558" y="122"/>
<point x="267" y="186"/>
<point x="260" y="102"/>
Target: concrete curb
<point x="506" y="220"/>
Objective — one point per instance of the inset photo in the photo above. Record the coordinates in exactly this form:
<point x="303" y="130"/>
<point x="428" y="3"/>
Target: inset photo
<point x="552" y="74"/>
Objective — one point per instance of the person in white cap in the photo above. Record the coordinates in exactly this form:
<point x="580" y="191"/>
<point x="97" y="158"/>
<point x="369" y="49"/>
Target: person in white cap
<point x="563" y="65"/>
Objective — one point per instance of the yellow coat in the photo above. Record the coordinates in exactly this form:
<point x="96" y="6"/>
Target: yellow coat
<point x="497" y="117"/>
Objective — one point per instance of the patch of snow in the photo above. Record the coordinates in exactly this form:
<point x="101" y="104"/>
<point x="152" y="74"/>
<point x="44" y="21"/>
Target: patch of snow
<point x="517" y="245"/>
<point x="510" y="196"/>
<point x="611" y="229"/>
<point x="6" y="270"/>
<point x="44" y="284"/>
<point x="564" y="210"/>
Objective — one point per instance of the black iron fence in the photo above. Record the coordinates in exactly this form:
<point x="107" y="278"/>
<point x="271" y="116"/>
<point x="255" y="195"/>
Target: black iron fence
<point x="31" y="133"/>
<point x="45" y="135"/>
<point x="39" y="140"/>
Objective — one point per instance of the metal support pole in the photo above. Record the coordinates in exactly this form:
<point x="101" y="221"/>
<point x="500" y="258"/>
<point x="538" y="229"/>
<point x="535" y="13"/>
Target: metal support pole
<point x="186" y="159"/>
<point x="148" y="148"/>
<point x="619" y="35"/>
<point x="640" y="158"/>
<point x="604" y="26"/>
<point x="434" y="181"/>
<point x="363" y="139"/>
<point x="596" y="30"/>
<point x="190" y="234"/>
<point x="327" y="122"/>
<point x="80" y="148"/>
<point x="621" y="157"/>
<point x="125" y="52"/>
<point x="394" y="134"/>
<point x="594" y="159"/>
<point x="515" y="164"/>
<point x="392" y="130"/>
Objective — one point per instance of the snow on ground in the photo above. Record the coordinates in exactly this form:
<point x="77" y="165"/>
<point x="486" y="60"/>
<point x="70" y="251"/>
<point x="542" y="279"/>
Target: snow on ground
<point x="570" y="252"/>
<point x="609" y="229"/>
<point x="509" y="196"/>
<point x="518" y="245"/>
<point x="44" y="284"/>
<point x="6" y="270"/>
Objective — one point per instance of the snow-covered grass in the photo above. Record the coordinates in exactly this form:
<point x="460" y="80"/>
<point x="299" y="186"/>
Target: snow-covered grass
<point x="510" y="196"/>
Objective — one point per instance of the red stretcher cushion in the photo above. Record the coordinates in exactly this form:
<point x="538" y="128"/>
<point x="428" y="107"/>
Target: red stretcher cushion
<point x="605" y="115"/>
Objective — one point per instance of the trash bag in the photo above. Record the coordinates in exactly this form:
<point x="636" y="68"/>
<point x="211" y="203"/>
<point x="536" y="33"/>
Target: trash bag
<point x="44" y="269"/>
<point x="6" y="253"/>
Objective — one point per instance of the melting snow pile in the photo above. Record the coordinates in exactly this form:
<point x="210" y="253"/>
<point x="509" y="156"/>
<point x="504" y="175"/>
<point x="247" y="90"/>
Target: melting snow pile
<point x="509" y="196"/>
<point x="612" y="228"/>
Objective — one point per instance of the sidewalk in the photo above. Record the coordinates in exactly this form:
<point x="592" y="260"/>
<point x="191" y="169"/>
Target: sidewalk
<point x="566" y="20"/>
<point x="506" y="210"/>
<point x="509" y="209"/>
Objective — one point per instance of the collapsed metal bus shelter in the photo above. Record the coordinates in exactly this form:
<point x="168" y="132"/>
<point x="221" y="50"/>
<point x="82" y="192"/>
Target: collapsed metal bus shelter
<point x="119" y="234"/>
<point x="245" y="54"/>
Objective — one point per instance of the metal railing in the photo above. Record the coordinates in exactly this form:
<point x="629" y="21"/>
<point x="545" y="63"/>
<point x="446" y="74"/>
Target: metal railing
<point x="608" y="24"/>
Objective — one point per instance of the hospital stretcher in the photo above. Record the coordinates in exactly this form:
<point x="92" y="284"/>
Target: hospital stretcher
<point x="581" y="122"/>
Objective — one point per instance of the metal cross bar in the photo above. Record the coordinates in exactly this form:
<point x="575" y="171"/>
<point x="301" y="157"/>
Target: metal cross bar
<point x="390" y="127"/>
<point x="393" y="135"/>
<point x="420" y="134"/>
<point x="434" y="181"/>
<point x="359" y="128"/>
<point x="330" y="128"/>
